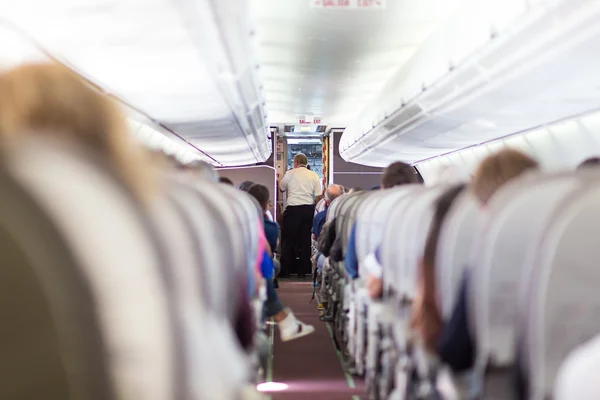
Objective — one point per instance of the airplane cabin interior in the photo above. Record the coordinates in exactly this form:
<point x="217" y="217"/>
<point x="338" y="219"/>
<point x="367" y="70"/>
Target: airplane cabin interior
<point x="299" y="199"/>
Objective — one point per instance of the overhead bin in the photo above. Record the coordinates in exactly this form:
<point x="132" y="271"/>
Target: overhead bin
<point x="496" y="68"/>
<point x="186" y="65"/>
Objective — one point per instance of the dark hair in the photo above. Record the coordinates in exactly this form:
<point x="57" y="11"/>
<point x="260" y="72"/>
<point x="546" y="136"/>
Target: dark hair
<point x="244" y="186"/>
<point x="225" y="180"/>
<point x="397" y="174"/>
<point x="260" y="193"/>
<point x="308" y="167"/>
<point x="427" y="319"/>
<point x="590" y="162"/>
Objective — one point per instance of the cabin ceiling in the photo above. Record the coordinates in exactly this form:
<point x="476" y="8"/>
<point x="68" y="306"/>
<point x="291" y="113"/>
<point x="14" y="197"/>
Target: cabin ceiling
<point x="188" y="65"/>
<point x="333" y="62"/>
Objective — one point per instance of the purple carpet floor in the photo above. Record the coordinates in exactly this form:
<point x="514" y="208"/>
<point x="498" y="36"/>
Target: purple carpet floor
<point x="310" y="366"/>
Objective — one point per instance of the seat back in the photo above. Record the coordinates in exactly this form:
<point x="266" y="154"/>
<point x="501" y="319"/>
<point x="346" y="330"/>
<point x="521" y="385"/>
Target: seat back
<point x="46" y="305"/>
<point x="205" y="334"/>
<point x="414" y="235"/>
<point x="565" y="307"/>
<point x="344" y="219"/>
<point x="238" y="223"/>
<point x="404" y="238"/>
<point x="123" y="294"/>
<point x="334" y="208"/>
<point x="373" y="215"/>
<point x="202" y="225"/>
<point x="454" y="248"/>
<point x="517" y="217"/>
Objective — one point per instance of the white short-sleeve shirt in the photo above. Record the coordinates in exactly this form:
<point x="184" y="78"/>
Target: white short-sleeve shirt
<point x="301" y="185"/>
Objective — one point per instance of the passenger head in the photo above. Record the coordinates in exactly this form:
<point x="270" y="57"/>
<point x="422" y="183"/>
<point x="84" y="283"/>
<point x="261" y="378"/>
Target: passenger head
<point x="300" y="160"/>
<point x="261" y="194"/>
<point x="497" y="169"/>
<point x="225" y="180"/>
<point x="244" y="186"/>
<point x="427" y="319"/>
<point x="397" y="174"/>
<point x="333" y="191"/>
<point x="47" y="99"/>
<point x="590" y="162"/>
<point x="356" y="190"/>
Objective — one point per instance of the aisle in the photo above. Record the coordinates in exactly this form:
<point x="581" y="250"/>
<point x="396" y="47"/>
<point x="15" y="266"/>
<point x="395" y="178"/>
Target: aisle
<point x="309" y="366"/>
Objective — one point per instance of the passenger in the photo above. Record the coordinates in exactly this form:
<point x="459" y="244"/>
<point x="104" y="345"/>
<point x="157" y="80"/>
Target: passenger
<point x="590" y="162"/>
<point x="261" y="194"/>
<point x="269" y="214"/>
<point x="333" y="192"/>
<point x="225" y="180"/>
<point x="396" y="174"/>
<point x="244" y="186"/>
<point x="426" y="315"/>
<point x="356" y="190"/>
<point x="302" y="187"/>
<point x="320" y="206"/>
<point x="290" y="328"/>
<point x="456" y="346"/>
<point x="47" y="99"/>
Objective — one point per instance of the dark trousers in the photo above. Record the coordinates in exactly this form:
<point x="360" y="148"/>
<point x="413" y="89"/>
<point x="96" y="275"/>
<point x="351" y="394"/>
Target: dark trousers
<point x="296" y="241"/>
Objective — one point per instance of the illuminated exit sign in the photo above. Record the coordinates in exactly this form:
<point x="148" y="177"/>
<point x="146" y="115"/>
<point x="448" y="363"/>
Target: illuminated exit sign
<point x="306" y="120"/>
<point x="349" y="4"/>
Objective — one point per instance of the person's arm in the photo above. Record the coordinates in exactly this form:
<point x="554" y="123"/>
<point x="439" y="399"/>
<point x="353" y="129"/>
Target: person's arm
<point x="283" y="183"/>
<point x="318" y="190"/>
<point x="351" y="259"/>
<point x="268" y="249"/>
<point x="374" y="272"/>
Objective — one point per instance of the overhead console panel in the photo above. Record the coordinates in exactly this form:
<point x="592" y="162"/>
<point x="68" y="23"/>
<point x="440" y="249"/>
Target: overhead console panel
<point x="495" y="68"/>
<point x="186" y="64"/>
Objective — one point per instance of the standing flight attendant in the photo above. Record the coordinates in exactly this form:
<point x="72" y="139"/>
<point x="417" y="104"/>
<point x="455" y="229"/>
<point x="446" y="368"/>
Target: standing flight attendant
<point x="302" y="187"/>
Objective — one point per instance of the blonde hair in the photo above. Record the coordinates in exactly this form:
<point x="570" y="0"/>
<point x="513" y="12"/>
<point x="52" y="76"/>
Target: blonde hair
<point x="48" y="98"/>
<point x="497" y="169"/>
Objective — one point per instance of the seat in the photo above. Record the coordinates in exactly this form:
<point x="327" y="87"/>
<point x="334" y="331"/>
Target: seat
<point x="517" y="217"/>
<point x="371" y="217"/>
<point x="403" y="242"/>
<point x="563" y="309"/>
<point x="98" y="321"/>
<point x="204" y="332"/>
<point x="455" y="247"/>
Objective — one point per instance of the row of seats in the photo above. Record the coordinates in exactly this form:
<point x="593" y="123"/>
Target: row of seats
<point x="109" y="291"/>
<point x="531" y="253"/>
